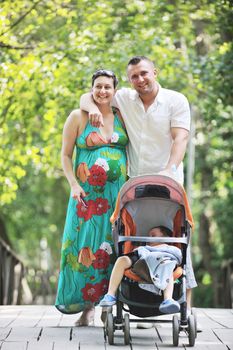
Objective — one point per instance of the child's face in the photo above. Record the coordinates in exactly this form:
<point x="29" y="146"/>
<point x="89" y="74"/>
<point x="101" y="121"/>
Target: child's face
<point x="155" y="232"/>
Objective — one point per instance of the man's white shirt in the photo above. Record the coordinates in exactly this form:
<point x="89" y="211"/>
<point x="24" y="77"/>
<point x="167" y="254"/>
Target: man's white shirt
<point x="150" y="131"/>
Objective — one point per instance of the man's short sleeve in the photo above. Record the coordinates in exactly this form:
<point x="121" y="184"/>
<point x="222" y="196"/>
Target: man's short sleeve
<point x="180" y="112"/>
<point x="120" y="96"/>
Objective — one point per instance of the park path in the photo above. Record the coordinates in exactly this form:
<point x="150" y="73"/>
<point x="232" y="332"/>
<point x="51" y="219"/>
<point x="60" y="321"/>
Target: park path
<point x="44" y="328"/>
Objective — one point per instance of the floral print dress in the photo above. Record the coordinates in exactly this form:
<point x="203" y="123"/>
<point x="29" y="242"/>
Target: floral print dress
<point x="87" y="254"/>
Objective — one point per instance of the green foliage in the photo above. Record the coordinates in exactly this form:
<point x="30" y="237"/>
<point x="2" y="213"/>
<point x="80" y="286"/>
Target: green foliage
<point x="49" y="50"/>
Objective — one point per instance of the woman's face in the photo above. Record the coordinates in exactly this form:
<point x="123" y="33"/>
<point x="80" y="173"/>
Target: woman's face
<point x="103" y="90"/>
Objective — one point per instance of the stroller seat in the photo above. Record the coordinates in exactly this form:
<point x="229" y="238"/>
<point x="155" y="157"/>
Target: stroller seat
<point x="130" y="230"/>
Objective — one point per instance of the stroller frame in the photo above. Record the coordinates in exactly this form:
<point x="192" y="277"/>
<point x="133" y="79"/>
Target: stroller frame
<point x="186" y="322"/>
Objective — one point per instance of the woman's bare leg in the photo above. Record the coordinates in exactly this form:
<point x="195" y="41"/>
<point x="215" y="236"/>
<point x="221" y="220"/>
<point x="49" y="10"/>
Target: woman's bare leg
<point x="87" y="317"/>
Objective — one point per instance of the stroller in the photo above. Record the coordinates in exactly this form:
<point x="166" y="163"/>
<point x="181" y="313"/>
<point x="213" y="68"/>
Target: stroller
<point x="145" y="202"/>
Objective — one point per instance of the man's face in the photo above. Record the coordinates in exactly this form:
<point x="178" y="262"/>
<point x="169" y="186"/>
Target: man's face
<point x="142" y="77"/>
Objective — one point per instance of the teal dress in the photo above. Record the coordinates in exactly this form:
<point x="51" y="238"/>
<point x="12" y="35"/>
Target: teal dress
<point x="87" y="254"/>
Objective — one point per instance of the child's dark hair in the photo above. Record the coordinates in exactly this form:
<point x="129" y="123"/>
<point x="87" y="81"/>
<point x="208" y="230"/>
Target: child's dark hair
<point x="165" y="230"/>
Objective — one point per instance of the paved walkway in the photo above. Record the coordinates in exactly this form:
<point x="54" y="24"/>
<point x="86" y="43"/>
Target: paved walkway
<point x="44" y="328"/>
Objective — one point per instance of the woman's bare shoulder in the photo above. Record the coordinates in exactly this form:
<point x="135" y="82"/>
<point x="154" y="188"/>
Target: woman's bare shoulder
<point x="77" y="116"/>
<point x="78" y="119"/>
<point x="76" y="113"/>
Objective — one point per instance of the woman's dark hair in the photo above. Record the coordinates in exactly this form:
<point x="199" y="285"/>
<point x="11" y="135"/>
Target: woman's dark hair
<point x="105" y="73"/>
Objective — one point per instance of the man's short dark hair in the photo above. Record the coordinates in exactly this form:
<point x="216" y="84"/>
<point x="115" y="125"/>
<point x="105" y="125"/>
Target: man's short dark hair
<point x="136" y="59"/>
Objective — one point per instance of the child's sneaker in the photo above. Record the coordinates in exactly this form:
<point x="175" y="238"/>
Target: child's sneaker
<point x="108" y="300"/>
<point x="169" y="306"/>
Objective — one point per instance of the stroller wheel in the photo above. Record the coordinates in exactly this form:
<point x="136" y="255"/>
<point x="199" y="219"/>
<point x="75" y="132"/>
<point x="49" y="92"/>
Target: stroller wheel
<point x="175" y="330"/>
<point x="126" y="329"/>
<point x="195" y="321"/>
<point x="110" y="328"/>
<point x="191" y="330"/>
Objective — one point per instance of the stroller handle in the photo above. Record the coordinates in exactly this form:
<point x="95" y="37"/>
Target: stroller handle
<point x="153" y="239"/>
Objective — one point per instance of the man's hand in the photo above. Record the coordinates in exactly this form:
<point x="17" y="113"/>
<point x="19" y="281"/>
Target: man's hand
<point x="87" y="104"/>
<point x="96" y="119"/>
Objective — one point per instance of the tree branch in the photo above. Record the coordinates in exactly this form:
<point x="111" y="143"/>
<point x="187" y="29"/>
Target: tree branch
<point x="21" y="18"/>
<point x="7" y="46"/>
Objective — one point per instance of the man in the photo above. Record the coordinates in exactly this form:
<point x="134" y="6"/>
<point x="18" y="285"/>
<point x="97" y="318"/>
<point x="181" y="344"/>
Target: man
<point x="157" y="122"/>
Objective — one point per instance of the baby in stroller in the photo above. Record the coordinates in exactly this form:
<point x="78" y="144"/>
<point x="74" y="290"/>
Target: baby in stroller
<point x="154" y="254"/>
<point x="146" y="202"/>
